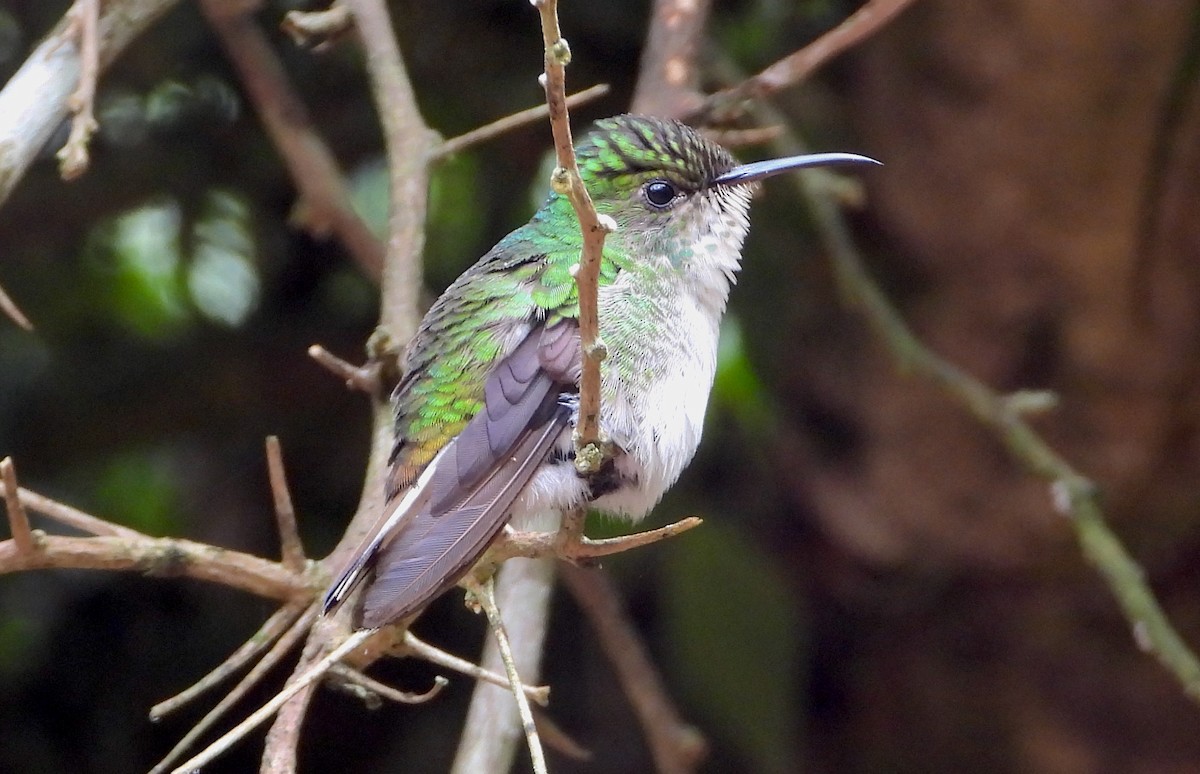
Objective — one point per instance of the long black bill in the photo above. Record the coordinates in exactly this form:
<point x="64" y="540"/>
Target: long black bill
<point x="748" y="173"/>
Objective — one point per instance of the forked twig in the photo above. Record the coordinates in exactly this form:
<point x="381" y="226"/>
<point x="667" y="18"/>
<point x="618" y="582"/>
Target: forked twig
<point x="264" y="713"/>
<point x="283" y="645"/>
<point x="412" y="645"/>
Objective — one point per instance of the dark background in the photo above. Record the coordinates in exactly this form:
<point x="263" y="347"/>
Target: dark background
<point x="877" y="586"/>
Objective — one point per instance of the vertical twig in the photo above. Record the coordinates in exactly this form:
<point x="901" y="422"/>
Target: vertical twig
<point x="291" y="549"/>
<point x="18" y="520"/>
<point x="566" y="181"/>
<point x="484" y="593"/>
<point x="85" y="25"/>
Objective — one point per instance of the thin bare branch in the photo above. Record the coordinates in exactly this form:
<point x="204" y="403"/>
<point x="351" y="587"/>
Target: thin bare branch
<point x="413" y="646"/>
<point x="511" y="122"/>
<point x="34" y="101"/>
<point x="371" y="686"/>
<point x="297" y="625"/>
<point x="861" y="25"/>
<point x="317" y="29"/>
<point x="325" y="201"/>
<point x="410" y="144"/>
<point x="18" y="520"/>
<point x="166" y="557"/>
<point x="263" y="713"/>
<point x="291" y="549"/>
<point x="268" y="633"/>
<point x="534" y="545"/>
<point x="13" y="312"/>
<point x="75" y="518"/>
<point x="492" y="733"/>
<point x="85" y="21"/>
<point x="677" y="746"/>
<point x="485" y="594"/>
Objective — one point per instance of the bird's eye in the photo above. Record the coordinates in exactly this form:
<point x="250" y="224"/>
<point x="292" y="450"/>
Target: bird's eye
<point x="660" y="193"/>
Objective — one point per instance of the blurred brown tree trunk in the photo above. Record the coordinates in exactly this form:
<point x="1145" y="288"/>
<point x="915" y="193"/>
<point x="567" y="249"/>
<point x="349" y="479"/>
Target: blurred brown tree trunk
<point x="1042" y="204"/>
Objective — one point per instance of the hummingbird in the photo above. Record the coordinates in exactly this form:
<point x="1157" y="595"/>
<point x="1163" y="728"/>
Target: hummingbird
<point x="485" y="411"/>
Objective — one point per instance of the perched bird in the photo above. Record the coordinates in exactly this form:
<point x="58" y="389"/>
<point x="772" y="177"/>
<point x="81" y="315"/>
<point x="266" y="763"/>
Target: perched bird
<point x="485" y="410"/>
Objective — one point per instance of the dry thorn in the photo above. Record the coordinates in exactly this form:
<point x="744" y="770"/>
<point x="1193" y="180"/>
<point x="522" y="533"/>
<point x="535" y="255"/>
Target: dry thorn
<point x="291" y="549"/>
<point x="511" y="122"/>
<point x="372" y="689"/>
<point x="85" y="22"/>
<point x="18" y="520"/>
<point x="13" y="312"/>
<point x="318" y="29"/>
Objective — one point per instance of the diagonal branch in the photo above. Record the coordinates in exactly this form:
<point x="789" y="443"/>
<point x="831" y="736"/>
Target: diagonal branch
<point x="325" y="201"/>
<point x="510" y="122"/>
<point x="13" y="312"/>
<point x="859" y="26"/>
